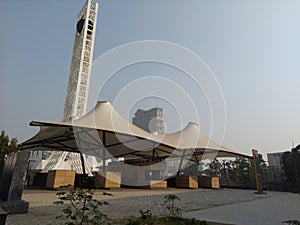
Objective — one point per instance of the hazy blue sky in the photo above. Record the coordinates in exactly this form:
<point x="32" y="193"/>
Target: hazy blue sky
<point x="253" y="48"/>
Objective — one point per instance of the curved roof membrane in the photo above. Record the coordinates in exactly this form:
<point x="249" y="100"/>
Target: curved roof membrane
<point x="104" y="133"/>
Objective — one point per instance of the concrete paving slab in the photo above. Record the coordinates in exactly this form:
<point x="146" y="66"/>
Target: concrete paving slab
<point x="272" y="210"/>
<point x="126" y="203"/>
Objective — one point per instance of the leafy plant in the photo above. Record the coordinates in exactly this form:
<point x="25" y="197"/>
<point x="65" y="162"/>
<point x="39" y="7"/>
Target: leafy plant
<point x="174" y="210"/>
<point x="146" y="218"/>
<point x="145" y="214"/>
<point x="83" y="208"/>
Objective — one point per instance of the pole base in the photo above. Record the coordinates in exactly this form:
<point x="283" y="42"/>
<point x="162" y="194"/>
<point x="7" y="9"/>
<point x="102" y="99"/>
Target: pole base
<point x="260" y="192"/>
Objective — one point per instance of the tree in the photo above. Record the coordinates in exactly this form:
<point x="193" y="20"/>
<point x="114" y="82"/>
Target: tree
<point x="239" y="171"/>
<point x="193" y="169"/>
<point x="215" y="167"/>
<point x="7" y="146"/>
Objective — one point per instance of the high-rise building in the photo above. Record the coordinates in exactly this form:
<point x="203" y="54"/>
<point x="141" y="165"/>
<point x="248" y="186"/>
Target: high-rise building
<point x="78" y="85"/>
<point x="275" y="159"/>
<point x="150" y="120"/>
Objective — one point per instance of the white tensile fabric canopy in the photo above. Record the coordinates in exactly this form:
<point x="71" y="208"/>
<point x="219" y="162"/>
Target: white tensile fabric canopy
<point x="104" y="133"/>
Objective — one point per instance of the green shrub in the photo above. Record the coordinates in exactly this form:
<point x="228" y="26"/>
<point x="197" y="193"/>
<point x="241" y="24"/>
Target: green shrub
<point x="83" y="208"/>
<point x="145" y="214"/>
<point x="173" y="210"/>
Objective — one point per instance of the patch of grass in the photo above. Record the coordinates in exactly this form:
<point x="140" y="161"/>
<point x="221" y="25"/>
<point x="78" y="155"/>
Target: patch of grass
<point x="292" y="222"/>
<point x="165" y="221"/>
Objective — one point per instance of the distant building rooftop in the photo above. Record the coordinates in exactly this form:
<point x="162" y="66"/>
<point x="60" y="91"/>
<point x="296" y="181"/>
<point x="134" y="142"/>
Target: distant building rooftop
<point x="150" y="120"/>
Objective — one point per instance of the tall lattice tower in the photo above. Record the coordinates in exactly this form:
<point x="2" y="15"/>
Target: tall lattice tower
<point x="78" y="85"/>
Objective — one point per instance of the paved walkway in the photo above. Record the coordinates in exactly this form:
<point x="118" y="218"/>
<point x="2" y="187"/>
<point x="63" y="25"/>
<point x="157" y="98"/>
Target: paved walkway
<point x="198" y="203"/>
<point x="267" y="211"/>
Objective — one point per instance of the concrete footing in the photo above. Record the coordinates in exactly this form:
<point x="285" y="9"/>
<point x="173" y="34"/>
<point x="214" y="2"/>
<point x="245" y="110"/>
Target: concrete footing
<point x="17" y="207"/>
